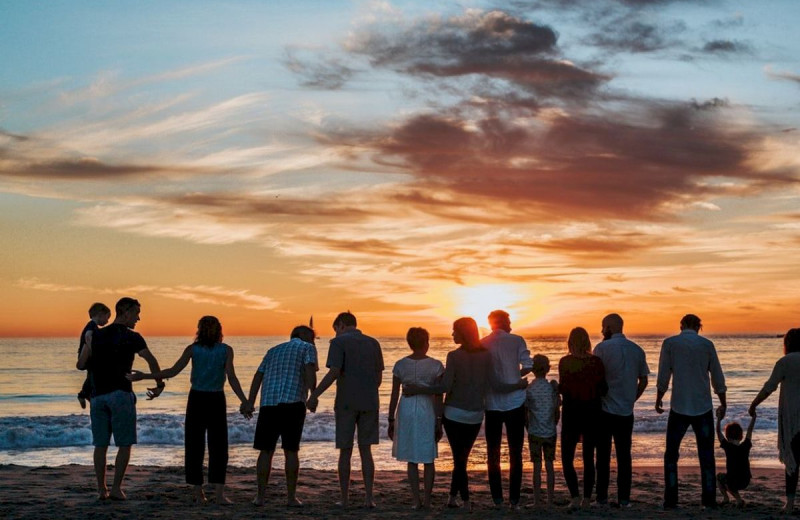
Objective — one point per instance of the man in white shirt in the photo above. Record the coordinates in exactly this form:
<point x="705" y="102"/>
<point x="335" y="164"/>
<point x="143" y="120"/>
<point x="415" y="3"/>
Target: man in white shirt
<point x="626" y="374"/>
<point x="690" y="359"/>
<point x="511" y="360"/>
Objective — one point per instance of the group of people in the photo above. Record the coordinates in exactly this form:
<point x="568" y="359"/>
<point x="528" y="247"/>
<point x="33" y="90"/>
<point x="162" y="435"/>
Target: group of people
<point x="481" y="383"/>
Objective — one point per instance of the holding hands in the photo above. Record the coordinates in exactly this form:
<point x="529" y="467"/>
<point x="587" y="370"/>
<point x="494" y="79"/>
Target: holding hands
<point x="247" y="409"/>
<point x="311" y="404"/>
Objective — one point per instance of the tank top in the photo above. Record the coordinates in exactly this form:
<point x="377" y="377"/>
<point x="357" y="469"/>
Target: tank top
<point x="208" y="367"/>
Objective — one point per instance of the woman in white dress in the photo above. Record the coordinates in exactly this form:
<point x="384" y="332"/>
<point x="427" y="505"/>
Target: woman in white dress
<point x="416" y="427"/>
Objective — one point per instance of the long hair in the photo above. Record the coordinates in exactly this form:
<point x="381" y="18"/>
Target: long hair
<point x="209" y="331"/>
<point x="578" y="341"/>
<point x="791" y="341"/>
<point x="468" y="330"/>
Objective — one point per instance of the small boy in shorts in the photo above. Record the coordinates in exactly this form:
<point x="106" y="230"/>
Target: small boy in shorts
<point x="543" y="403"/>
<point x="99" y="315"/>
<point x="737" y="459"/>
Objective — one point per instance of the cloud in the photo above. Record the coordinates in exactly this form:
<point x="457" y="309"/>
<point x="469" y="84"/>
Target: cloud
<point x="490" y="44"/>
<point x="637" y="36"/>
<point x="83" y="168"/>
<point x="726" y="47"/>
<point x="781" y="75"/>
<point x="215" y="295"/>
<point x="324" y="71"/>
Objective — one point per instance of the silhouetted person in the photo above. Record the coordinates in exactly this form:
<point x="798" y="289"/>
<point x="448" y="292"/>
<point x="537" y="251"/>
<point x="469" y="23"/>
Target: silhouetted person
<point x="626" y="371"/>
<point x="99" y="314"/>
<point x="690" y="360"/>
<point x="737" y="459"/>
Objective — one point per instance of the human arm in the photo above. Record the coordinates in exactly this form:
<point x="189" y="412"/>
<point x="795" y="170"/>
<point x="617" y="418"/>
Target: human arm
<point x="723" y="405"/>
<point x="659" y="402"/>
<point x="255" y="384"/>
<point x="167" y="373"/>
<point x="664" y="375"/>
<point x="720" y="437"/>
<point x="438" y="408"/>
<point x="525" y="361"/>
<point x="234" y="381"/>
<point x="750" y="428"/>
<point x="152" y="363"/>
<point x="718" y="381"/>
<point x="327" y="381"/>
<point x="557" y="398"/>
<point x="86" y="352"/>
<point x="396" y="382"/>
<point x="643" y="380"/>
<point x="770" y="386"/>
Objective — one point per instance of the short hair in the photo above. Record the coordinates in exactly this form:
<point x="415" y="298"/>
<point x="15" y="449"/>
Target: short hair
<point x="346" y="319"/>
<point x="304" y="333"/>
<point x="98" y="309"/>
<point x="500" y="318"/>
<point x="125" y="304"/>
<point x="691" y="321"/>
<point x="614" y="321"/>
<point x="541" y="365"/>
<point x="469" y="331"/>
<point x="417" y="338"/>
<point x="578" y="341"/>
<point x="791" y="341"/>
<point x="733" y="431"/>
<point x="209" y="331"/>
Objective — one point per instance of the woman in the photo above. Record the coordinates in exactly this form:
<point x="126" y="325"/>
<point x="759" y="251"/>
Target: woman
<point x="416" y="428"/>
<point x="206" y="411"/>
<point x="581" y="382"/>
<point x="786" y="374"/>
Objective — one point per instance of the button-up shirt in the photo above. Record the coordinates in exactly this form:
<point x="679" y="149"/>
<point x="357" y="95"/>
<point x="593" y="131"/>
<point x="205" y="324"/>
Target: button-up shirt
<point x="509" y="353"/>
<point x="624" y="362"/>
<point x="283" y="368"/>
<point x="689" y="359"/>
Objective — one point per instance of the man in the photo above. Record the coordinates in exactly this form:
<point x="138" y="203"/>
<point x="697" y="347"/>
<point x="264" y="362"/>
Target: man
<point x="689" y="359"/>
<point x="511" y="360"/>
<point x="288" y="371"/>
<point x="113" y="407"/>
<point x="626" y="374"/>
<point x="355" y="362"/>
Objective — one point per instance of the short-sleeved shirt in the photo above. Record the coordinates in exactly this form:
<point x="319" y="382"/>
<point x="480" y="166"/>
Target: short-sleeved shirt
<point x="737" y="462"/>
<point x="113" y="350"/>
<point x="624" y="362"/>
<point x="541" y="399"/>
<point x="360" y="360"/>
<point x="283" y="366"/>
<point x="509" y="353"/>
<point x="90" y="327"/>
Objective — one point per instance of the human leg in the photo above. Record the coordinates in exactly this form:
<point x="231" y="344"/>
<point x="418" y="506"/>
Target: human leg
<point x="791" y="477"/>
<point x="588" y="447"/>
<point x="100" y="416"/>
<point x="677" y="424"/>
<point x="368" y="473"/>
<point x="99" y="459"/>
<point x="123" y="424"/>
<point x="703" y="426"/>
<point x="430" y="476"/>
<point x="120" y="467"/>
<point x="723" y="487"/>
<point x="604" y="436"/>
<point x="345" y="431"/>
<point x="551" y="481"/>
<point x="461" y="437"/>
<point x="569" y="441"/>
<point x="345" y="454"/>
<point x="623" y="442"/>
<point x="413" y="480"/>
<point x="265" y="441"/>
<point x="493" y="429"/>
<point x="263" y="470"/>
<point x="537" y="481"/>
<point x="515" y="434"/>
<point x="194" y="440"/>
<point x="217" y="444"/>
<point x="292" y="470"/>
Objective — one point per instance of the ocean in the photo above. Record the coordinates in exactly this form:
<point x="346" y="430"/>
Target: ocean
<point x="42" y="424"/>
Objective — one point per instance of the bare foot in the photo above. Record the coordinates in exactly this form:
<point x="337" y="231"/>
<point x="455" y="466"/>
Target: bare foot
<point x="586" y="503"/>
<point x="467" y="506"/>
<point x="222" y="500"/>
<point x="369" y="504"/>
<point x="574" y="503"/>
<point x="787" y="509"/>
<point x="342" y="504"/>
<point x="117" y="494"/>
<point x="452" y="503"/>
<point x="294" y="503"/>
<point x="102" y="494"/>
<point x="258" y="500"/>
<point x="82" y="401"/>
<point x="198" y="497"/>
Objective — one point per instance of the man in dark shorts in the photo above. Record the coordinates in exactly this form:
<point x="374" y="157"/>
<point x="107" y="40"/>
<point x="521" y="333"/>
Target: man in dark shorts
<point x="288" y="372"/>
<point x="113" y="408"/>
<point x="355" y="362"/>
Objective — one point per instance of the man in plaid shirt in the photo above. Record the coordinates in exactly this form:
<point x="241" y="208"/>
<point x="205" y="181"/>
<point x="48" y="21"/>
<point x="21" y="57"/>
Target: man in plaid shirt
<point x="288" y="372"/>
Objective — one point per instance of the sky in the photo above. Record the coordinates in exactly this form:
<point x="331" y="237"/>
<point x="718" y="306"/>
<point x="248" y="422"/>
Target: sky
<point x="412" y="162"/>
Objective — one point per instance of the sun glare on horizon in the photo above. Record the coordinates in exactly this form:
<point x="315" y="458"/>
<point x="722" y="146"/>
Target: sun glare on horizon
<point x="479" y="300"/>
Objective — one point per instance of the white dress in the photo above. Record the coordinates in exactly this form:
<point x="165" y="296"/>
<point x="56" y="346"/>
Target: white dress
<point x="415" y="423"/>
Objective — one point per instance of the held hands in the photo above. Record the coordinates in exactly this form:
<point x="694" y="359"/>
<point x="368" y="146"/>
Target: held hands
<point x="721" y="409"/>
<point x="152" y="393"/>
<point x="247" y="410"/>
<point x="659" y="406"/>
<point x="752" y="410"/>
<point x="312" y="403"/>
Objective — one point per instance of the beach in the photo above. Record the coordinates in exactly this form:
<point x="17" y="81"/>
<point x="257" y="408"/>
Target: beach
<point x="160" y="493"/>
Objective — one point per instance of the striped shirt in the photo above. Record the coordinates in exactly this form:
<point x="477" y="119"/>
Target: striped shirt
<point x="283" y="367"/>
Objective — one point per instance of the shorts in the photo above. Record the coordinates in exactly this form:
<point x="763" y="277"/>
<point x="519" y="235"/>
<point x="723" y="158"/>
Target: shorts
<point x="284" y="420"/>
<point x="542" y="445"/>
<point x="346" y="422"/>
<point x="733" y="484"/>
<point x="114" y="413"/>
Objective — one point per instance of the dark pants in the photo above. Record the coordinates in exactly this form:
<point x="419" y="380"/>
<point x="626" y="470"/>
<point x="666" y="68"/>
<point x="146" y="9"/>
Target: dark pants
<point x="579" y="422"/>
<point x="206" y="412"/>
<point x="618" y="428"/>
<point x="703" y="426"/>
<point x="461" y="437"/>
<point x="791" y="479"/>
<point x="515" y="434"/>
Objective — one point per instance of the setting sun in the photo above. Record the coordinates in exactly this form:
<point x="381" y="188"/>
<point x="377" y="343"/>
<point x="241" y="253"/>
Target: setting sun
<point x="479" y="300"/>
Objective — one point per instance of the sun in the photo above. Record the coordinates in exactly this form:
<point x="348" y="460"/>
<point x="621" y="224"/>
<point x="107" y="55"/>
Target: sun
<point x="478" y="301"/>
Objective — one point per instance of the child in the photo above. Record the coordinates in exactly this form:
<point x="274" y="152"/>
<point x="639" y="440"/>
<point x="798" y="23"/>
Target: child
<point x="419" y="417"/>
<point x="543" y="402"/>
<point x="737" y="459"/>
<point x="99" y="315"/>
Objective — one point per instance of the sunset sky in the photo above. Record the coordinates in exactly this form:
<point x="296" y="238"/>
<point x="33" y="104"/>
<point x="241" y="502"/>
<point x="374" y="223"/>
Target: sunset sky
<point x="410" y="161"/>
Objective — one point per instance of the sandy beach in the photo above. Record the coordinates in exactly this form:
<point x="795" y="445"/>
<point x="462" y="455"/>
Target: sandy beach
<point x="160" y="492"/>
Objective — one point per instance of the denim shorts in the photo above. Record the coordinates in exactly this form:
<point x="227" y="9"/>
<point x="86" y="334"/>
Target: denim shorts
<point x="114" y="414"/>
